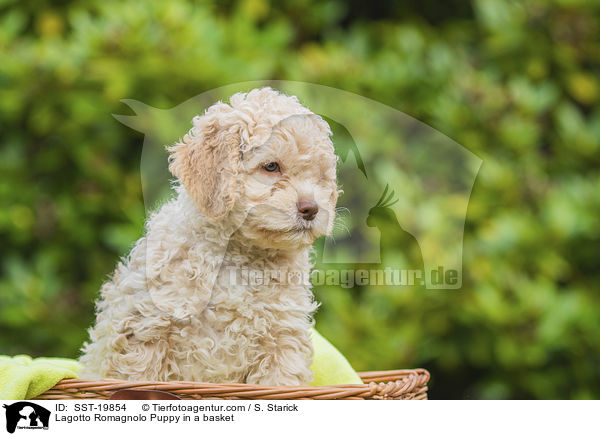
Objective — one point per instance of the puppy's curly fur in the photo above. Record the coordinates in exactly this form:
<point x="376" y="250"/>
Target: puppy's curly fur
<point x="177" y="307"/>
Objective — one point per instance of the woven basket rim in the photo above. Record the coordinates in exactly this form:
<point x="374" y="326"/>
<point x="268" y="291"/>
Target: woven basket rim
<point x="378" y="384"/>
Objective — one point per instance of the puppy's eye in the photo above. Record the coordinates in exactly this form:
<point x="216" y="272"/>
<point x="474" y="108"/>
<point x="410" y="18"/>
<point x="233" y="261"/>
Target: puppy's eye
<point x="272" y="167"/>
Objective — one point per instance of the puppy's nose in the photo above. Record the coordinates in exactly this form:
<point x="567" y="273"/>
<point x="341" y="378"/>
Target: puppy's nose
<point x="308" y="209"/>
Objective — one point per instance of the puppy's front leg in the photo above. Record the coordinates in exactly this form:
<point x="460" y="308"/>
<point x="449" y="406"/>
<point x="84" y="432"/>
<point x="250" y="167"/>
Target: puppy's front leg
<point x="285" y="361"/>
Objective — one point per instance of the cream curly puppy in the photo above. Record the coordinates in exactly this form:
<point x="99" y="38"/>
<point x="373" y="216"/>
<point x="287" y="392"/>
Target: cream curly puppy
<point x="257" y="185"/>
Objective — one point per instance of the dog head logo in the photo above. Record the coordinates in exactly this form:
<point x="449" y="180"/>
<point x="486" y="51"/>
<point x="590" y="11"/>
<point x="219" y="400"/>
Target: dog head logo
<point x="379" y="148"/>
<point x="26" y="415"/>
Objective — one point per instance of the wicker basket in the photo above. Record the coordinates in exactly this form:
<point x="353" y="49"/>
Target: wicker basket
<point x="379" y="385"/>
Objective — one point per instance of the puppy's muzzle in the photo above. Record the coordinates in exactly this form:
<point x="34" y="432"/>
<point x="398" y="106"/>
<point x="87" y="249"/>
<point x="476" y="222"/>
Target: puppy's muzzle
<point x="308" y="210"/>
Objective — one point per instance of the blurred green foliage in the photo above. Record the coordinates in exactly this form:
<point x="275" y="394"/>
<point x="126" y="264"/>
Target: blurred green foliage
<point x="517" y="83"/>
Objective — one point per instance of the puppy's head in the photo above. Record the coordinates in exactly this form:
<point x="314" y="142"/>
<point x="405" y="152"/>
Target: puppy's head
<point x="266" y="158"/>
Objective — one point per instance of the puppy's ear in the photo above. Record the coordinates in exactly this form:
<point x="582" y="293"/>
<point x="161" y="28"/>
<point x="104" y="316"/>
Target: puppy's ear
<point x="206" y="164"/>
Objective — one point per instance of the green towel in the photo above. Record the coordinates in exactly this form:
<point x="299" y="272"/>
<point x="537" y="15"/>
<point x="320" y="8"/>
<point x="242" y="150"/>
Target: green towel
<point x="22" y="377"/>
<point x="329" y="365"/>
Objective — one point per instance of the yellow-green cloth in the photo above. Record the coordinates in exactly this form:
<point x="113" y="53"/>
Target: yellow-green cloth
<point x="22" y="377"/>
<point x="329" y="365"/>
